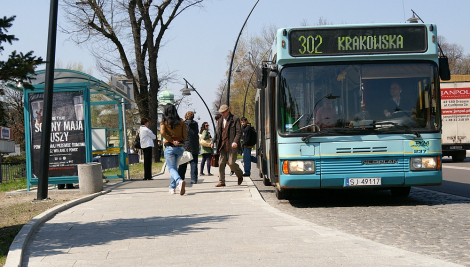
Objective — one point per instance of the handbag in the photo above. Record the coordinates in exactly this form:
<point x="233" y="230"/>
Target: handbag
<point x="185" y="158"/>
<point x="215" y="160"/>
<point x="205" y="142"/>
<point x="137" y="142"/>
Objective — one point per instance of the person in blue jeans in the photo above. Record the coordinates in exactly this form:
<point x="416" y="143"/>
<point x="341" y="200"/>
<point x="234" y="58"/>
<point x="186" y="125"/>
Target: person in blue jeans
<point x="249" y="141"/>
<point x="191" y="144"/>
<point x="173" y="129"/>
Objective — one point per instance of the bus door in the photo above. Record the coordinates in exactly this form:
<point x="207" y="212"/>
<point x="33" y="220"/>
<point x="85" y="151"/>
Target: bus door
<point x="270" y="130"/>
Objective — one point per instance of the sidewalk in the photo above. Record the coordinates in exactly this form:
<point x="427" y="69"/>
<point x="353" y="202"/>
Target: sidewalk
<point x="139" y="224"/>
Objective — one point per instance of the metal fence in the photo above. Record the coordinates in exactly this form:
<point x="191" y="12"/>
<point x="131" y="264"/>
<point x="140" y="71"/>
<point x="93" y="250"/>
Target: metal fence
<point x="12" y="171"/>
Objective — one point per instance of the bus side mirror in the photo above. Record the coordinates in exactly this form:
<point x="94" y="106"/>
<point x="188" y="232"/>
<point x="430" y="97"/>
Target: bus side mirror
<point x="261" y="77"/>
<point x="444" y="70"/>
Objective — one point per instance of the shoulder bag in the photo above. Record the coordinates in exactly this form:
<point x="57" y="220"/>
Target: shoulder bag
<point x="185" y="158"/>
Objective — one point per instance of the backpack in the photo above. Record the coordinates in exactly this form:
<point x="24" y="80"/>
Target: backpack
<point x="252" y="136"/>
<point x="137" y="142"/>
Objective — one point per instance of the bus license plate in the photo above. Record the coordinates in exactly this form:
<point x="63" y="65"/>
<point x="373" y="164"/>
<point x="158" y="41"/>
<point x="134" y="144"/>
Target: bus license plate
<point x="455" y="147"/>
<point x="363" y="181"/>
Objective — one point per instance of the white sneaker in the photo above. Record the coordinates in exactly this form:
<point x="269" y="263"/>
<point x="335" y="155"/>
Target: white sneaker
<point x="172" y="191"/>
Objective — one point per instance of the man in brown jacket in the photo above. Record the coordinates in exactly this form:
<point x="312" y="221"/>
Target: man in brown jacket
<point x="229" y="133"/>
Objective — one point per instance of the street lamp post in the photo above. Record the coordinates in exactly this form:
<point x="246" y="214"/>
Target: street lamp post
<point x="248" y="85"/>
<point x="237" y="69"/>
<point x="233" y="54"/>
<point x="187" y="91"/>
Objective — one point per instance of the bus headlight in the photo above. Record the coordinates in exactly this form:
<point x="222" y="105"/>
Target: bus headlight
<point x="298" y="167"/>
<point x="424" y="163"/>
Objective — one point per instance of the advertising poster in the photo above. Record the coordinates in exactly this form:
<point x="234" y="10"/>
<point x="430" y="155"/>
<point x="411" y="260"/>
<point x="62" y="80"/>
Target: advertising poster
<point x="67" y="133"/>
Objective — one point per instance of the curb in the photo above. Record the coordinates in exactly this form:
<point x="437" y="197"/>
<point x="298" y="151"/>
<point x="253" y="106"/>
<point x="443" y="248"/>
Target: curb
<point x="15" y="253"/>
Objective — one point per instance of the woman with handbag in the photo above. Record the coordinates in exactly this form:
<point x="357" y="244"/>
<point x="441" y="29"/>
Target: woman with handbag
<point x="173" y="129"/>
<point x="191" y="145"/>
<point x="206" y="151"/>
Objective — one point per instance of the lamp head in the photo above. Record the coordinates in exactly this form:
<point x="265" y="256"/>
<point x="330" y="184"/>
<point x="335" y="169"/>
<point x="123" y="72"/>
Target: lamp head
<point x="186" y="91"/>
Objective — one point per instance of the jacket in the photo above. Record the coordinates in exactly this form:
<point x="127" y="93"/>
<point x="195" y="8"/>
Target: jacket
<point x="191" y="142"/>
<point x="249" y="136"/>
<point x="146" y="137"/>
<point x="206" y="135"/>
<point x="234" y="132"/>
<point x="177" y="134"/>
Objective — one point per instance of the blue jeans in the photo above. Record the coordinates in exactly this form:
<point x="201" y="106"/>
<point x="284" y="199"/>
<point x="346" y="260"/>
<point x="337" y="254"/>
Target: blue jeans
<point x="172" y="154"/>
<point x="247" y="160"/>
<point x="193" y="163"/>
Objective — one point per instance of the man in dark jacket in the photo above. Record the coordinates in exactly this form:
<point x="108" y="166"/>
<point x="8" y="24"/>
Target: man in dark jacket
<point x="249" y="141"/>
<point x="191" y="144"/>
<point x="229" y="134"/>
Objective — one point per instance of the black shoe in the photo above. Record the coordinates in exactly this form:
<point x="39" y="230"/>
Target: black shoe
<point x="232" y="173"/>
<point x="193" y="182"/>
<point x="246" y="174"/>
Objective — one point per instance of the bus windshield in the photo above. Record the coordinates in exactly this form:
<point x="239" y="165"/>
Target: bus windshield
<point x="365" y="98"/>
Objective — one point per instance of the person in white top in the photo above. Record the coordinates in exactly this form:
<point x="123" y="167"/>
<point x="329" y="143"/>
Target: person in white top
<point x="146" y="143"/>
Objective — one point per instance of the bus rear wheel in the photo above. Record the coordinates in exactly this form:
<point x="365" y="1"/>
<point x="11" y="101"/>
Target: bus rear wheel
<point x="400" y="191"/>
<point x="282" y="194"/>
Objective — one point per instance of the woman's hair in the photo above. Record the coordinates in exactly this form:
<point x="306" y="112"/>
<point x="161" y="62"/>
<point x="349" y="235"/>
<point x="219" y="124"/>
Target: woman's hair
<point x="203" y="127"/>
<point x="189" y="115"/>
<point x="170" y="116"/>
<point x="143" y="121"/>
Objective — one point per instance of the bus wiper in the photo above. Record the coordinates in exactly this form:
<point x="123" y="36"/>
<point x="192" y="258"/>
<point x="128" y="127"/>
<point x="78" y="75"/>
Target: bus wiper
<point x="397" y="126"/>
<point x="297" y="121"/>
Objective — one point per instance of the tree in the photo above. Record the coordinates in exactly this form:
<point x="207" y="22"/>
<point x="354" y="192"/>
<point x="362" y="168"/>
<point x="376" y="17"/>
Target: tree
<point x="125" y="37"/>
<point x="18" y="67"/>
<point x="458" y="62"/>
<point x="14" y="115"/>
<point x="251" y="52"/>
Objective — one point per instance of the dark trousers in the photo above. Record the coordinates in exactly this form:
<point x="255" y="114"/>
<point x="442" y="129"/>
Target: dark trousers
<point x="147" y="163"/>
<point x="206" y="158"/>
<point x="193" y="163"/>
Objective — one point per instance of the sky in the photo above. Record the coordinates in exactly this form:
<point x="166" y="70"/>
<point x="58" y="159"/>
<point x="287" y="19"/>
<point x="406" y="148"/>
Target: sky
<point x="199" y="40"/>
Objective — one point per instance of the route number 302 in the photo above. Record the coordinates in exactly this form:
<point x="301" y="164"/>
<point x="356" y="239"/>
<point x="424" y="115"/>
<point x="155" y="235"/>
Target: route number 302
<point x="310" y="44"/>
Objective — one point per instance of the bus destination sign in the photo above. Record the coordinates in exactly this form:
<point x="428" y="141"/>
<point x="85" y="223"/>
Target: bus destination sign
<point x="360" y="40"/>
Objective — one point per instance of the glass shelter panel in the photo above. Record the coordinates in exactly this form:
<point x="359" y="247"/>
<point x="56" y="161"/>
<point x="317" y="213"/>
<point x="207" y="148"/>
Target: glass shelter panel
<point x="359" y="98"/>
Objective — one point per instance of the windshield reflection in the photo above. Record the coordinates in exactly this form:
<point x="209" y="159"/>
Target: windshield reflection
<point x="363" y="98"/>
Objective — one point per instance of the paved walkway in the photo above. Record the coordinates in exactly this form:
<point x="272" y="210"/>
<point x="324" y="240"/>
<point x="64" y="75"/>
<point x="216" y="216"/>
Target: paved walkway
<point x="139" y="223"/>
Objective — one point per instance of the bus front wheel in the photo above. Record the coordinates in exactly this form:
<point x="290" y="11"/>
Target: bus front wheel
<point x="400" y="191"/>
<point x="282" y="194"/>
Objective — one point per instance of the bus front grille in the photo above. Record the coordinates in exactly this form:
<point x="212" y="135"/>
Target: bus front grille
<point x="363" y="165"/>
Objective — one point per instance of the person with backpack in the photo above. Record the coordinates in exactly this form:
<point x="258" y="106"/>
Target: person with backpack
<point x="146" y="143"/>
<point x="249" y="137"/>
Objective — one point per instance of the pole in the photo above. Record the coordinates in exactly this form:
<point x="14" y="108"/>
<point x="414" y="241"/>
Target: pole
<point x="248" y="85"/>
<point x="43" y="178"/>
<point x="233" y="54"/>
<point x="208" y="110"/>
<point x="125" y="141"/>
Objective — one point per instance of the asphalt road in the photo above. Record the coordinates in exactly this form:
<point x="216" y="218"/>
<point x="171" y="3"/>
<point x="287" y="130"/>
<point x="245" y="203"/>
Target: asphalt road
<point x="427" y="222"/>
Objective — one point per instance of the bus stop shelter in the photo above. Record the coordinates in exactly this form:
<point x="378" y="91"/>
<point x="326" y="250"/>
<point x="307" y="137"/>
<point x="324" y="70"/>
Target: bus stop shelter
<point x="73" y="139"/>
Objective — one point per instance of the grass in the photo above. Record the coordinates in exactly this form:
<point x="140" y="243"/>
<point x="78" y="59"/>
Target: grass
<point x="13" y="185"/>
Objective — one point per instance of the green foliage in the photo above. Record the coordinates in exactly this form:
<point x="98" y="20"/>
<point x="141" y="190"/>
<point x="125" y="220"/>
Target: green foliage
<point x="13" y="185"/>
<point x="14" y="159"/>
<point x="18" y="66"/>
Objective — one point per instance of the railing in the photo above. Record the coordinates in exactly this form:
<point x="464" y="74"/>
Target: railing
<point x="12" y="171"/>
